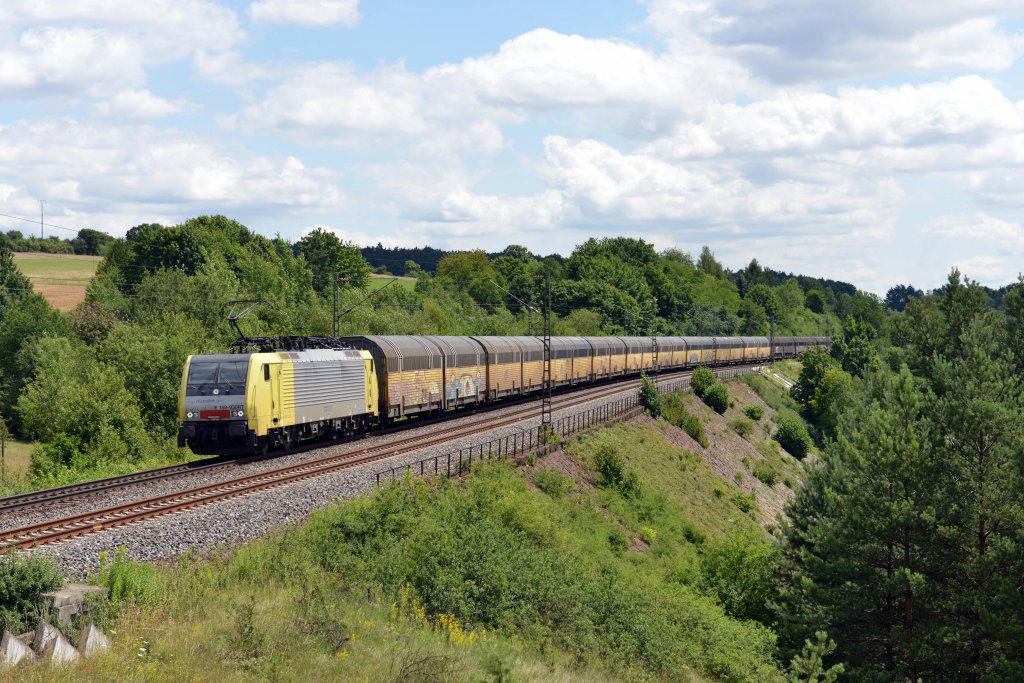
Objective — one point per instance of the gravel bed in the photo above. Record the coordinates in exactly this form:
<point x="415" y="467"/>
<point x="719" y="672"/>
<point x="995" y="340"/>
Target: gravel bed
<point x="251" y="516"/>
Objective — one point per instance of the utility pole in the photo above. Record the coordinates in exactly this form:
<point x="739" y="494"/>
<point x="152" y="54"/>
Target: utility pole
<point x="654" y="360"/>
<point x="3" y="451"/>
<point x="771" y="338"/>
<point x="545" y="408"/>
<point x="41" y="218"/>
<point x="337" y="322"/>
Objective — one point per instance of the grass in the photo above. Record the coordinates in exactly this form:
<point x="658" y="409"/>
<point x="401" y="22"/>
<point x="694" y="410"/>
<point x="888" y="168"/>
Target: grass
<point x="380" y="281"/>
<point x="17" y="457"/>
<point x="66" y="266"/>
<point x="789" y="368"/>
<point x="488" y="579"/>
<point x="684" y="479"/>
<point x="777" y="398"/>
<point x="60" y="278"/>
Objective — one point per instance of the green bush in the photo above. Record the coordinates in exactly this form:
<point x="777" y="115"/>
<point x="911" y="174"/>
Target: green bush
<point x="23" y="580"/>
<point x="703" y="377"/>
<point x="744" y="501"/>
<point x="675" y="412"/>
<point x="740" y="570"/>
<point x="650" y="399"/>
<point x="614" y="472"/>
<point x="552" y="482"/>
<point x="717" y="398"/>
<point x="766" y="472"/>
<point x="618" y="541"/>
<point x="754" y="412"/>
<point x="792" y="435"/>
<point x="741" y="426"/>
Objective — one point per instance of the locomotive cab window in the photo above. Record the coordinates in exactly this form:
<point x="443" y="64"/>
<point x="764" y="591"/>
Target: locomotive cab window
<point x="223" y="377"/>
<point x="266" y="372"/>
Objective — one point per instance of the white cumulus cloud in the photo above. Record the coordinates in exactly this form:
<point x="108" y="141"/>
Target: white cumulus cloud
<point x="808" y="40"/>
<point x="305" y="12"/>
<point x="132" y="172"/>
<point x="139" y="104"/>
<point x="971" y="230"/>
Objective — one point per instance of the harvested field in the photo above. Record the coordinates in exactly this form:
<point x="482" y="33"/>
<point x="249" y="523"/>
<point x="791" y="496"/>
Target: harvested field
<point x="60" y="278"/>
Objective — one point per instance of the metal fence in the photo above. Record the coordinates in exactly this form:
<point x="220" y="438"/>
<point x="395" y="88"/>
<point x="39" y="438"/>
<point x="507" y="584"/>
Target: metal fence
<point x="530" y="440"/>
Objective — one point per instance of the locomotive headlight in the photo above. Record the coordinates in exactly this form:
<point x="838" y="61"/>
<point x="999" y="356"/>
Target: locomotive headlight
<point x="240" y="413"/>
<point x="190" y="415"/>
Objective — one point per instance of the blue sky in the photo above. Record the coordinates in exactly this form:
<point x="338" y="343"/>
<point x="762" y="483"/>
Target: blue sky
<point x="870" y="142"/>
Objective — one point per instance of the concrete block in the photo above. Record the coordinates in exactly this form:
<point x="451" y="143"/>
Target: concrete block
<point x="69" y="600"/>
<point x="13" y="650"/>
<point x="92" y="640"/>
<point x="51" y="645"/>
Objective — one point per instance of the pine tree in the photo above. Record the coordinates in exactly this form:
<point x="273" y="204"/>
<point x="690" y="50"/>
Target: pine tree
<point x="979" y="413"/>
<point x="862" y="544"/>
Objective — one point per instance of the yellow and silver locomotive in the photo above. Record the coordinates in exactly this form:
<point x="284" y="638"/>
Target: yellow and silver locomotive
<point x="257" y="401"/>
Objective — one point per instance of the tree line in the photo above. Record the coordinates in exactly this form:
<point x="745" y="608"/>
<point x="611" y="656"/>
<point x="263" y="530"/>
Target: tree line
<point x="87" y="242"/>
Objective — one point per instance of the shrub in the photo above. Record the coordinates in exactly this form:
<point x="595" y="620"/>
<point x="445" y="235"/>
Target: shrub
<point x="740" y="570"/>
<point x="717" y="398"/>
<point x="754" y="412"/>
<point x="675" y="412"/>
<point x="650" y="399"/>
<point x="22" y="581"/>
<point x="744" y="501"/>
<point x="703" y="377"/>
<point x="613" y="471"/>
<point x="792" y="435"/>
<point x="766" y="472"/>
<point x="741" y="426"/>
<point x="552" y="482"/>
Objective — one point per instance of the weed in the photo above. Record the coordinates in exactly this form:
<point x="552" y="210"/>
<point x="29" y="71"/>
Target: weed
<point x="744" y="501"/>
<point x="414" y="666"/>
<point x="754" y="412"/>
<point x="617" y="541"/>
<point x="552" y="482"/>
<point x="742" y="426"/>
<point x="766" y="472"/>
<point x="248" y="639"/>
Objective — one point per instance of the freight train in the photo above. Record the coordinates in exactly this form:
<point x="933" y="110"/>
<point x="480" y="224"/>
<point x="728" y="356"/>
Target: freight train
<point x="268" y="400"/>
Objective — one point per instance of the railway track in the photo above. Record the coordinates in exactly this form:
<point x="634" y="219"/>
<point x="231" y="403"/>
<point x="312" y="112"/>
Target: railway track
<point x="95" y="488"/>
<point x="105" y="518"/>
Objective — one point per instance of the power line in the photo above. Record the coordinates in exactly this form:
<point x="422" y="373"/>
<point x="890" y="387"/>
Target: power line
<point x="39" y="222"/>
